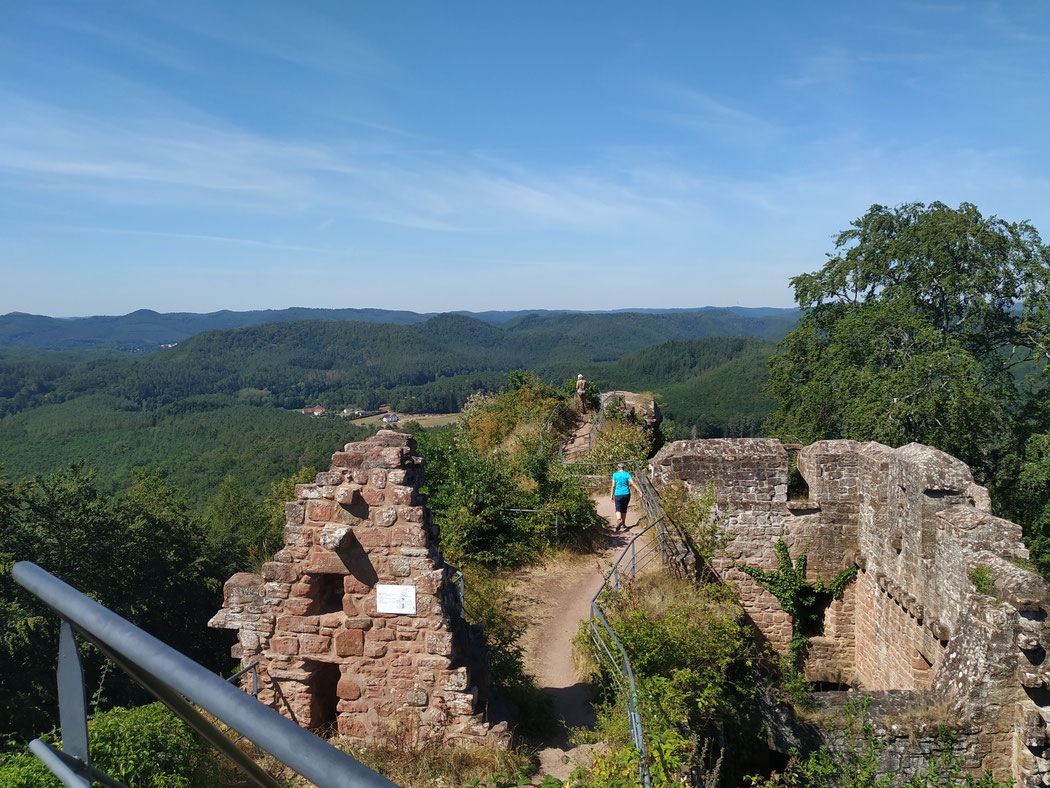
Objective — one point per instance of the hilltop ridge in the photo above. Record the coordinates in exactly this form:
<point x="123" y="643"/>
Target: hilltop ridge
<point x="145" y="330"/>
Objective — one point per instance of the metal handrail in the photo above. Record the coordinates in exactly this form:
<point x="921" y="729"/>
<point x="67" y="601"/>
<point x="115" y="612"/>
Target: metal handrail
<point x="596" y="425"/>
<point x="182" y="685"/>
<point x="605" y="645"/>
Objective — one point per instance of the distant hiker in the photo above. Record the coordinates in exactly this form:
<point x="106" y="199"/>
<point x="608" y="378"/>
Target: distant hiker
<point x="581" y="390"/>
<point x="621" y="494"/>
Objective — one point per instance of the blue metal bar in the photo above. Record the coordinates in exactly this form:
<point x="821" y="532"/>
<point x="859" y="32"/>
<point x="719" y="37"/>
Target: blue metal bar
<point x="70" y="771"/>
<point x="172" y="676"/>
<point x="72" y="699"/>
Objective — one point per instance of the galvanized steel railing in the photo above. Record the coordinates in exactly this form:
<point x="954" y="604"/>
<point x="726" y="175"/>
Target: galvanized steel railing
<point x="180" y="684"/>
<point x="654" y="544"/>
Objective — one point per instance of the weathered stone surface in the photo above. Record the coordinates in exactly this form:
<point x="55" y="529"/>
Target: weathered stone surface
<point x="314" y="607"/>
<point x="350" y="643"/>
<point x="917" y="526"/>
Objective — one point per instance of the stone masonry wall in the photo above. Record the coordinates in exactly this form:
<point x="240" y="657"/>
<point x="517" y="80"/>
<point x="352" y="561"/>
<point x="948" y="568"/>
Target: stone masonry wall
<point x="325" y="653"/>
<point x="917" y="526"/>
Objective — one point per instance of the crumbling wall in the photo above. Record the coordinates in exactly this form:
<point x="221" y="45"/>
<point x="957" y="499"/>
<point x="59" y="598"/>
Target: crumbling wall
<point x="917" y="526"/>
<point x="357" y="542"/>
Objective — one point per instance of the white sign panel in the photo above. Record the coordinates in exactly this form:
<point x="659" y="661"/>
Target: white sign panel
<point x="396" y="599"/>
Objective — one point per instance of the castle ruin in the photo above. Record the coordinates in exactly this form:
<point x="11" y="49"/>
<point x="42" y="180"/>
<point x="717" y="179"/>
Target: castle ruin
<point x="356" y="622"/>
<point x="912" y="629"/>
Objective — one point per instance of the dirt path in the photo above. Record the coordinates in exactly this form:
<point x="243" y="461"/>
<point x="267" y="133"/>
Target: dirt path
<point x="554" y="599"/>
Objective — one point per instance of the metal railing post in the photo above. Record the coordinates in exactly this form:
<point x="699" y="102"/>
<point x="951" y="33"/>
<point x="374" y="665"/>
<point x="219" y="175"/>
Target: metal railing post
<point x="72" y="699"/>
<point x="182" y="685"/>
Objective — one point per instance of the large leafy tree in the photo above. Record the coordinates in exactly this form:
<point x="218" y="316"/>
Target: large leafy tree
<point x="927" y="323"/>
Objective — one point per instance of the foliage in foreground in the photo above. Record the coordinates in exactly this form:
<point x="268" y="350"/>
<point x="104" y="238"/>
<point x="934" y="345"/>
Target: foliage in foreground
<point x="67" y="526"/>
<point x="804" y="600"/>
<point x="491" y="464"/>
<point x="691" y="654"/>
<point x="145" y="747"/>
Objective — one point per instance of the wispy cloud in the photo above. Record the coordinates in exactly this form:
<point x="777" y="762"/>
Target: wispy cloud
<point x="693" y="109"/>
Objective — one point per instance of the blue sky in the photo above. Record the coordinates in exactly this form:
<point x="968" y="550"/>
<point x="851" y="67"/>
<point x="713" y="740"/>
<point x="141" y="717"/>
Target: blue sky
<point x="197" y="156"/>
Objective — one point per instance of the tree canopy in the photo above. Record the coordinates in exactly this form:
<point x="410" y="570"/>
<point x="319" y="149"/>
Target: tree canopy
<point x="928" y="323"/>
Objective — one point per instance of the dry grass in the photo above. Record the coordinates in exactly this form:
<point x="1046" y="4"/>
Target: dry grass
<point x="413" y="760"/>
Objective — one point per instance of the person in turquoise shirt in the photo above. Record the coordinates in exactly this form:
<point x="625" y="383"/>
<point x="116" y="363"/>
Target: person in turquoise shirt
<point x="621" y="494"/>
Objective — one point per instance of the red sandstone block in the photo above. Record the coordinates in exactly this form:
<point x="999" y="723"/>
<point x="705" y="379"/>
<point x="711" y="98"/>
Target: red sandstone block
<point x="384" y="518"/>
<point x="350" y="727"/>
<point x="331" y="620"/>
<point x="349" y="642"/>
<point x="408" y="536"/>
<point x="430" y="582"/>
<point x="347" y="688"/>
<point x="384" y="708"/>
<point x="286" y="646"/>
<point x="400" y="648"/>
<point x="314" y="644"/>
<point x="352" y="706"/>
<point x="372" y="496"/>
<point x="346" y="459"/>
<point x="304" y="624"/>
<point x="410" y="514"/>
<point x="293" y="513"/>
<point x="375" y="692"/>
<point x="353" y="585"/>
<point x="439" y="643"/>
<point x="296" y="536"/>
<point x="378" y="479"/>
<point x="405" y="633"/>
<point x="375" y="650"/>
<point x="383" y="635"/>
<point x="349" y="608"/>
<point x="433" y="662"/>
<point x="325" y="562"/>
<point x="403" y="496"/>
<point x="307" y="491"/>
<point x="372" y="537"/>
<point x="301" y="606"/>
<point x="319" y="511"/>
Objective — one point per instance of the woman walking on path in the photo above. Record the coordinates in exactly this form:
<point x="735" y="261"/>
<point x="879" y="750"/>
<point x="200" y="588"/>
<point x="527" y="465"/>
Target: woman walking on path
<point x="621" y="494"/>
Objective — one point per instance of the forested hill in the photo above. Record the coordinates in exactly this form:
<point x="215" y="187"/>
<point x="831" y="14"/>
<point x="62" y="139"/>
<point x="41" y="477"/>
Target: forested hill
<point x="145" y="330"/>
<point x="227" y="401"/>
<point x="343" y="363"/>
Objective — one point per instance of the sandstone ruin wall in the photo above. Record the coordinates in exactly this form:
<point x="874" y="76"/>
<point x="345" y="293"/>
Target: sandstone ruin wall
<point x="917" y="526"/>
<point x="358" y="542"/>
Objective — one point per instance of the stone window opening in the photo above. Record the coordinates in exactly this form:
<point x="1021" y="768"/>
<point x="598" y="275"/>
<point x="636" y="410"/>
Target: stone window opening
<point x="798" y="487"/>
<point x="330" y="594"/>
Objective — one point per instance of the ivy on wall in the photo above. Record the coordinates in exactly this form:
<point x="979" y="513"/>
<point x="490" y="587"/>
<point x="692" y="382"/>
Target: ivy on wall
<point x="805" y="601"/>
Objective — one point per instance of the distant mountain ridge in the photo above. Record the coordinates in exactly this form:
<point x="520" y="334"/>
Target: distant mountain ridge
<point x="145" y="330"/>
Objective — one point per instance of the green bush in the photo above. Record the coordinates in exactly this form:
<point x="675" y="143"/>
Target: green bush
<point x="146" y="747"/>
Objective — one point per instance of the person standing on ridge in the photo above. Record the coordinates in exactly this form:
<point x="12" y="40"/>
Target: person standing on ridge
<point x="581" y="390"/>
<point x="621" y="494"/>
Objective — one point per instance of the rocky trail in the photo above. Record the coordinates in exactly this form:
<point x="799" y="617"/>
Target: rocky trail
<point x="554" y="599"/>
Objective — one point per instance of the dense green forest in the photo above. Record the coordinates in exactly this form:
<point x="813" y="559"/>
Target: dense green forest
<point x="228" y="402"/>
